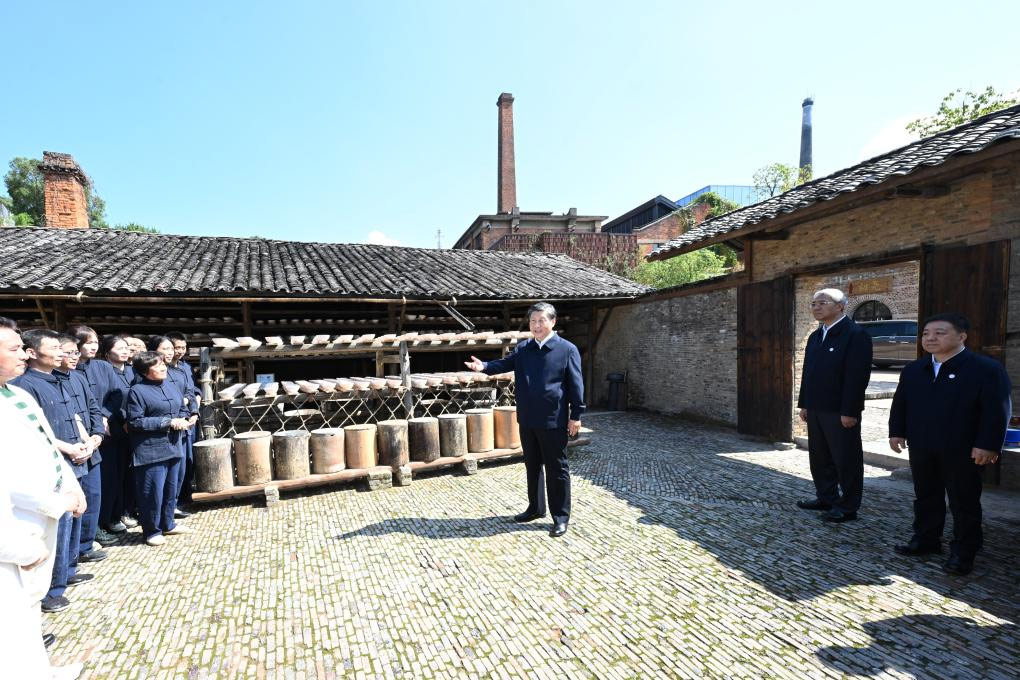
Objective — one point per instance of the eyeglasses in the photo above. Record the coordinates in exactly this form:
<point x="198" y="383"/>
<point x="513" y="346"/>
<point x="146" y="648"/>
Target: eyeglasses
<point x="73" y="353"/>
<point x="818" y="303"/>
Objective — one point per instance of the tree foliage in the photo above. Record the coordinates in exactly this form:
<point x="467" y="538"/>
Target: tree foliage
<point x="778" y="178"/>
<point x="676" y="271"/>
<point x="26" y="198"/>
<point x="959" y="107"/>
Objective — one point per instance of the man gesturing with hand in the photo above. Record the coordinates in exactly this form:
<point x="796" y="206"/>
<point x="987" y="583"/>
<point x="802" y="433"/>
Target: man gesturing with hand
<point x="550" y="400"/>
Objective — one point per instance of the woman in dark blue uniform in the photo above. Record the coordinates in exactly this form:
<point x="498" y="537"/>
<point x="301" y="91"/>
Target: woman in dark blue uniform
<point x="116" y="450"/>
<point x="156" y="418"/>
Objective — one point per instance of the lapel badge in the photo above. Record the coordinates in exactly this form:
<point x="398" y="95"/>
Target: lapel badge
<point x="952" y="375"/>
<point x="832" y="349"/>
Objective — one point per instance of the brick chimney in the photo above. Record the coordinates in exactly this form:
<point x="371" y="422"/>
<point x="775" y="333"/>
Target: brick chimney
<point x="64" y="185"/>
<point x="507" y="176"/>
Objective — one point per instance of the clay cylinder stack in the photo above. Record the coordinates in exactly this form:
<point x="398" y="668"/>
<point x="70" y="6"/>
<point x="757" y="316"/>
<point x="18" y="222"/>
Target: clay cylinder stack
<point x="393" y="443"/>
<point x="479" y="430"/>
<point x="453" y="434"/>
<point x="327" y="449"/>
<point x="253" y="454"/>
<point x="359" y="446"/>
<point x="290" y="453"/>
<point x="214" y="470"/>
<point x="507" y="434"/>
<point x="423" y="439"/>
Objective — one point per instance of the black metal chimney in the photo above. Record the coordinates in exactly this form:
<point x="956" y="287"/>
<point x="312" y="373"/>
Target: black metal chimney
<point x="805" y="138"/>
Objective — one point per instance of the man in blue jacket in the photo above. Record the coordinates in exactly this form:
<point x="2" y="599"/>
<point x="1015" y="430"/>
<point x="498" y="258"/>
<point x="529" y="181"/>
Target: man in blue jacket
<point x="550" y="401"/>
<point x="77" y="438"/>
<point x="837" y="368"/>
<point x="951" y="408"/>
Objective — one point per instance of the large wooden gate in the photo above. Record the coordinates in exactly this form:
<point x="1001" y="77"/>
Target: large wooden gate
<point x="765" y="359"/>
<point x="973" y="281"/>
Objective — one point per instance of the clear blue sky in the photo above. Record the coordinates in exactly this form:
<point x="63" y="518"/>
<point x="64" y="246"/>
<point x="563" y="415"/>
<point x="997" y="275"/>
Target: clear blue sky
<point x="332" y="120"/>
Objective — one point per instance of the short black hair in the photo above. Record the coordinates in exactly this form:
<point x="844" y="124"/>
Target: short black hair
<point x="33" y="339"/>
<point x="954" y="319"/>
<point x="82" y="333"/>
<point x="155" y="341"/>
<point x="175" y="336"/>
<point x="8" y="323"/>
<point x="66" y="337"/>
<point x="543" y="307"/>
<point x="143" y="361"/>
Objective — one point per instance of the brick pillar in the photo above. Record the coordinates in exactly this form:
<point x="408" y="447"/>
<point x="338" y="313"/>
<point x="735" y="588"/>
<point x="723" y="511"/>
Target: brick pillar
<point x="64" y="185"/>
<point x="506" y="186"/>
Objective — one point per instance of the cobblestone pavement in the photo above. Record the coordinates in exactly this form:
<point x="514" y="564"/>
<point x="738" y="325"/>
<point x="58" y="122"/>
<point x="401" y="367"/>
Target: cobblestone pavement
<point x="685" y="558"/>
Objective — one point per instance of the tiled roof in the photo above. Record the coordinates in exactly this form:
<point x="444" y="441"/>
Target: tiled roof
<point x="122" y="262"/>
<point x="969" y="138"/>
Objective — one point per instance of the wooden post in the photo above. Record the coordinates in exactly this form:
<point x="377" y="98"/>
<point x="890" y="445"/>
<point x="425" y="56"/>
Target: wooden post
<point x="59" y="315"/>
<point x="506" y="316"/>
<point x="206" y="410"/>
<point x="42" y="313"/>
<point x="380" y="369"/>
<point x="246" y="318"/>
<point x="405" y="380"/>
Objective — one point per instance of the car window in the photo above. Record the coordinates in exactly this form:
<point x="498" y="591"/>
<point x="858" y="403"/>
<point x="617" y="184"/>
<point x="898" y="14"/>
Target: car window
<point x="879" y="330"/>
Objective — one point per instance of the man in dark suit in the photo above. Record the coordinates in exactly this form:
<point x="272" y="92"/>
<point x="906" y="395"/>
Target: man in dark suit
<point x="550" y="401"/>
<point x="837" y="368"/>
<point x="951" y="408"/>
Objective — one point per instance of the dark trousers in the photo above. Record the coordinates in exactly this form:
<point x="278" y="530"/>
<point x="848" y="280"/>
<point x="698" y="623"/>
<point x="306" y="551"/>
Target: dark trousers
<point x="545" y="457"/>
<point x="65" y="562"/>
<point x="116" y="457"/>
<point x="837" y="460"/>
<point x="157" y="495"/>
<point x="938" y="474"/>
<point x="92" y="486"/>
<point x="187" y="470"/>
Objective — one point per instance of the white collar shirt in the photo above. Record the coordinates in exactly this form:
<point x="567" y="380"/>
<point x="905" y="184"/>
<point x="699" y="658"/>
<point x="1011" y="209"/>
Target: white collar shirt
<point x="825" y="329"/>
<point x="936" y="365"/>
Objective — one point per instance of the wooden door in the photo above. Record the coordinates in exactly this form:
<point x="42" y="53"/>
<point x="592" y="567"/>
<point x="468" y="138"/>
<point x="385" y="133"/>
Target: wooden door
<point x="765" y="359"/>
<point x="973" y="281"/>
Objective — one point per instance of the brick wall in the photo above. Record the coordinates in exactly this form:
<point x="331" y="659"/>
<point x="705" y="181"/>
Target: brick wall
<point x="680" y="355"/>
<point x="65" y="202"/>
<point x="981" y="207"/>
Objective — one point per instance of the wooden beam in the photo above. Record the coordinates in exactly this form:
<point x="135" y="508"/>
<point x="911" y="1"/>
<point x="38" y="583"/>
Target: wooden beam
<point x="42" y="312"/>
<point x="246" y="318"/>
<point x="59" y="315"/>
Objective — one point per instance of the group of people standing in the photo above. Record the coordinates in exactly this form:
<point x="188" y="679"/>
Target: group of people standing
<point x="103" y="431"/>
<point x="950" y="411"/>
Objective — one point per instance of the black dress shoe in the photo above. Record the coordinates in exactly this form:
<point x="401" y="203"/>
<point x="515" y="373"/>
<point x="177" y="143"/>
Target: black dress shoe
<point x="559" y="528"/>
<point x="958" y="565"/>
<point x="79" y="578"/>
<point x="181" y="514"/>
<point x="813" y="505"/>
<point x="916" y="548"/>
<point x="55" y="604"/>
<point x="838" y="516"/>
<point x="48" y="639"/>
<point x="527" y="516"/>
<point x="93" y="556"/>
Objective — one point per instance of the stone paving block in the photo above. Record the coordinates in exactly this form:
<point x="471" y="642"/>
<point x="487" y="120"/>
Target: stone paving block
<point x="685" y="558"/>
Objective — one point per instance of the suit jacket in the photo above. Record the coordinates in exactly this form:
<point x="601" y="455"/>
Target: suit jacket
<point x="150" y="407"/>
<point x="967" y="405"/>
<point x="836" y="371"/>
<point x="548" y="384"/>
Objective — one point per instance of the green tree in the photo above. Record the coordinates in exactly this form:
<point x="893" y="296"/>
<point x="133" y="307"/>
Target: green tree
<point x="132" y="226"/>
<point x="959" y="107"/>
<point x="778" y="178"/>
<point x="719" y="206"/>
<point x="676" y="271"/>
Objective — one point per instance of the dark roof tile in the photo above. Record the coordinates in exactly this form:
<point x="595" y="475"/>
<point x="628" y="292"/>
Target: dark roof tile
<point x="111" y="261"/>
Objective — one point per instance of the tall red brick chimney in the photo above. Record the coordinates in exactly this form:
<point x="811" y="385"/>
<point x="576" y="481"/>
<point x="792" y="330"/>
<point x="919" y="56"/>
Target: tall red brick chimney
<point x="64" y="185"/>
<point x="507" y="176"/>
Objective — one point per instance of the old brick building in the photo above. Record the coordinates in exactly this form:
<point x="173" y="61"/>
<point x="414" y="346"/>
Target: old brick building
<point x="65" y="187"/>
<point x="930" y="227"/>
<point x="511" y="229"/>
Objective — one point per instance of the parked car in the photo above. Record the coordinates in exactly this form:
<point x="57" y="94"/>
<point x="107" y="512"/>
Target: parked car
<point x="894" y="342"/>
